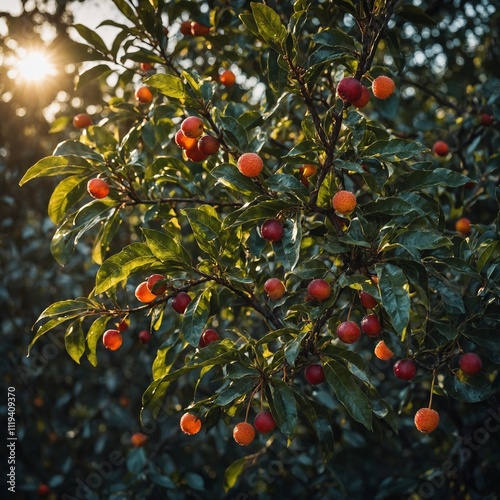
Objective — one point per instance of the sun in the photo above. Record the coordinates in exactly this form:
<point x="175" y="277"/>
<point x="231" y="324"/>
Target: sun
<point x="34" y="66"/>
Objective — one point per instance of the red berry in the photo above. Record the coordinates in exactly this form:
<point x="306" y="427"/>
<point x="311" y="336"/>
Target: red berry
<point x="367" y="300"/>
<point x="208" y="336"/>
<point x="440" y="148"/>
<point x="43" y="490"/>
<point x="185" y="28"/>
<point x="272" y="230"/>
<point x="198" y="29"/>
<point x="112" y="339"/>
<point x="370" y="325"/>
<point x="486" y="120"/>
<point x="192" y="127"/>
<point x="405" y="369"/>
<point x="208" y="145"/>
<point x="348" y="332"/>
<point x="314" y="374"/>
<point x="195" y="155"/>
<point x="264" y="422"/>
<point x="180" y="302"/>
<point x="470" y="363"/>
<point x="82" y="120"/>
<point x="145" y="66"/>
<point x="274" y="288"/>
<point x="98" y="188"/>
<point x="156" y="284"/>
<point x="144" y="336"/>
<point x="349" y="89"/>
<point x="319" y="289"/>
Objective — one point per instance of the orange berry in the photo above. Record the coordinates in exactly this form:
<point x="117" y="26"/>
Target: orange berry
<point x="426" y="420"/>
<point x="363" y="100"/>
<point x="383" y="352"/>
<point x="227" y="78"/>
<point x="192" y="127"/>
<point x="250" y="164"/>
<point x="463" y="225"/>
<point x="97" y="188"/>
<point x="344" y="202"/>
<point x="244" y="433"/>
<point x="144" y="95"/>
<point x="138" y="439"/>
<point x="143" y="294"/>
<point x="82" y="120"/>
<point x="145" y="66"/>
<point x="440" y="148"/>
<point x="308" y="170"/>
<point x="190" y="424"/>
<point x="383" y="87"/>
<point x="112" y="339"/>
<point x="185" y="142"/>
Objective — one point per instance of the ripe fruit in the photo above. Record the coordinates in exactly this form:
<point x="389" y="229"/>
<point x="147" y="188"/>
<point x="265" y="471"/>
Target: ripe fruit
<point x="97" y="188"/>
<point x="185" y="28"/>
<point x="144" y="336"/>
<point x="145" y="66"/>
<point x="370" y="325"/>
<point x="43" y="490"/>
<point x="138" y="439"/>
<point x="383" y="87"/>
<point x="364" y="99"/>
<point x="227" y="78"/>
<point x="486" y="119"/>
<point x="165" y="31"/>
<point x="185" y="142"/>
<point x="112" y="339"/>
<point x="123" y="324"/>
<point x="192" y="127"/>
<point x="344" y="202"/>
<point x="157" y="284"/>
<point x="143" y="294"/>
<point x="190" y="424"/>
<point x="319" y="289"/>
<point x="349" y="89"/>
<point x="308" y="170"/>
<point x="264" y="422"/>
<point x="208" y="336"/>
<point x="470" y="363"/>
<point x="82" y="120"/>
<point x="426" y="420"/>
<point x="198" y="29"/>
<point x="382" y="351"/>
<point x="195" y="155"/>
<point x="244" y="433"/>
<point x="463" y="225"/>
<point x="348" y="332"/>
<point x="405" y="369"/>
<point x="144" y="95"/>
<point x="314" y="374"/>
<point x="250" y="164"/>
<point x="208" y="145"/>
<point x="272" y="230"/>
<point x="367" y="300"/>
<point x="274" y="288"/>
<point x="440" y="148"/>
<point x="180" y="302"/>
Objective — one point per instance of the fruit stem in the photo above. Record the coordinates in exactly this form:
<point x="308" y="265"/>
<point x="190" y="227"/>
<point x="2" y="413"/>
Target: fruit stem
<point x="349" y="312"/>
<point x="432" y="387"/>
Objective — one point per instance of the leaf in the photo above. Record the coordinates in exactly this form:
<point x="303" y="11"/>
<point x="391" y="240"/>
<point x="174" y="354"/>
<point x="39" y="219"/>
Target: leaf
<point x="166" y="247"/>
<point x="74" y="341"/>
<point x="269" y="25"/>
<point x="234" y="471"/>
<point x="283" y="406"/>
<point x="196" y="317"/>
<point x="169" y="85"/>
<point x="206" y="228"/>
<point x="65" y="195"/>
<point x="387" y="206"/>
<point x="42" y="330"/>
<point x="134" y="257"/>
<point x="106" y="233"/>
<point x="415" y="15"/>
<point x="92" y="37"/>
<point x="468" y="389"/>
<point x="235" y="132"/>
<point x="56" y="165"/>
<point x="261" y="210"/>
<point x="94" y="334"/>
<point x="287" y="250"/>
<point x="76" y="148"/>
<point x="348" y="392"/>
<point x="276" y="75"/>
<point x="292" y="348"/>
<point x="236" y="389"/>
<point x="394" y="294"/>
<point x="229" y="175"/>
<point x="422" y="179"/>
<point x="394" y="149"/>
<point x="332" y="37"/>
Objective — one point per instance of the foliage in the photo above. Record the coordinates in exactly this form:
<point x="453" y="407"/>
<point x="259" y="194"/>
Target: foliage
<point x="199" y="225"/>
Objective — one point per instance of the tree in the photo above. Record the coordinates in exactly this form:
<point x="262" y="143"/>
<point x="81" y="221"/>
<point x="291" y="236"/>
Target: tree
<point x="307" y="186"/>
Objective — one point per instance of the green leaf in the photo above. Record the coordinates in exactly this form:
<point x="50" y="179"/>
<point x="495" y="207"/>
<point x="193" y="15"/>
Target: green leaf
<point x="236" y="389"/>
<point x="68" y="308"/>
<point x="468" y="389"/>
<point x="235" y="132"/>
<point x="332" y="37"/>
<point x="422" y="179"/>
<point x="75" y="148"/>
<point x="133" y="258"/>
<point x="292" y="348"/>
<point x="394" y="149"/>
<point x="169" y="85"/>
<point x="196" y="317"/>
<point x="327" y="54"/>
<point x="206" y="228"/>
<point x="259" y="211"/>
<point x="94" y="334"/>
<point x="42" y="330"/>
<point x="166" y="247"/>
<point x="348" y="392"/>
<point x="92" y="37"/>
<point x="283" y="406"/>
<point x="229" y="175"/>
<point x="106" y="233"/>
<point x="287" y="250"/>
<point x="276" y="75"/>
<point x="387" y="206"/>
<point x="269" y="25"/>
<point x="488" y="250"/>
<point x="74" y="341"/>
<point x="56" y="165"/>
<point x="415" y="15"/>
<point x="234" y="471"/>
<point x="65" y="195"/>
<point x="395" y="296"/>
<point x="487" y="338"/>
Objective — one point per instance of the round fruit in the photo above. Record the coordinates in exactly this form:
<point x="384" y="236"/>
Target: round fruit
<point x="180" y="302"/>
<point x="440" y="148"/>
<point x="244" y="433"/>
<point x="348" y="332"/>
<point x="208" y="336"/>
<point x="138" y="439"/>
<point x="157" y="284"/>
<point x="208" y="145"/>
<point x="470" y="363"/>
<point x="192" y="127"/>
<point x="405" y="369"/>
<point x="264" y="422"/>
<point x="227" y="78"/>
<point x="463" y="225"/>
<point x="308" y="170"/>
<point x="274" y="288"/>
<point x="198" y="29"/>
<point x="112" y="339"/>
<point x="367" y="300"/>
<point x="123" y="324"/>
<point x="349" y="89"/>
<point x="43" y="490"/>
<point x="145" y="66"/>
<point x="370" y="325"/>
<point x="144" y="95"/>
<point x="486" y="120"/>
<point x="364" y="99"/>
<point x="143" y="294"/>
<point x="98" y="188"/>
<point x="344" y="202"/>
<point x="185" y="28"/>
<point x="250" y="164"/>
<point x="314" y="374"/>
<point x="272" y="230"/>
<point x="382" y="351"/>
<point x="319" y="289"/>
<point x="190" y="424"/>
<point x="144" y="336"/>
<point x="185" y="142"/>
<point x="426" y="420"/>
<point x="195" y="155"/>
<point x="383" y="87"/>
<point x="82" y="120"/>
